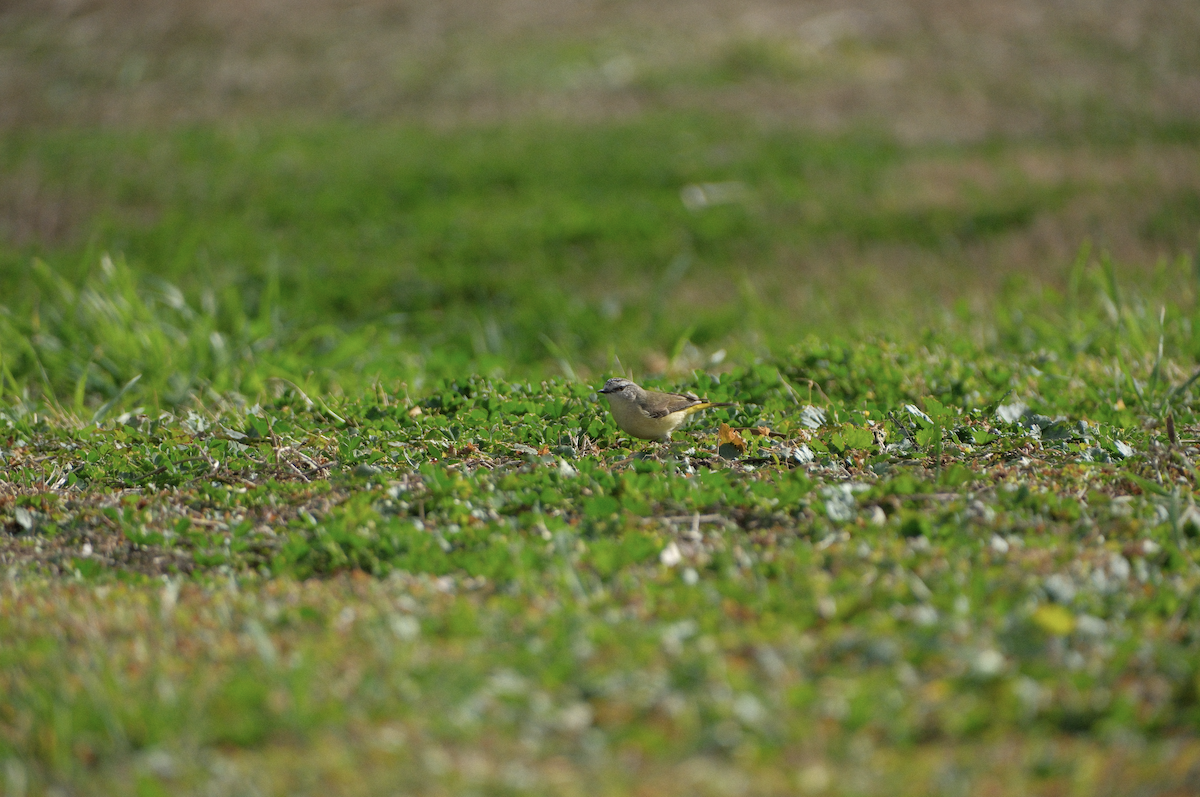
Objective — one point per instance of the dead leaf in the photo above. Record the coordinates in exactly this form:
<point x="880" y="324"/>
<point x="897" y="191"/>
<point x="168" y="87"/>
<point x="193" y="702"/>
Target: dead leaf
<point x="726" y="435"/>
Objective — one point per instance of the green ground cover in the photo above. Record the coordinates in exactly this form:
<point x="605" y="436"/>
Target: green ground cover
<point x="938" y="561"/>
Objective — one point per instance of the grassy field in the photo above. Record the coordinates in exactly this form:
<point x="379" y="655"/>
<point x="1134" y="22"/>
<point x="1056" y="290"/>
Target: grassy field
<point x="305" y="487"/>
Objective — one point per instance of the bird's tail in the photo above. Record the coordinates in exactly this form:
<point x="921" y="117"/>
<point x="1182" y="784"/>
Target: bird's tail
<point x="704" y="405"/>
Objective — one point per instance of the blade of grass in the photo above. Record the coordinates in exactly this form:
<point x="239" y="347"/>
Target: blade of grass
<point x="101" y="413"/>
<point x="561" y="357"/>
<point x="81" y="390"/>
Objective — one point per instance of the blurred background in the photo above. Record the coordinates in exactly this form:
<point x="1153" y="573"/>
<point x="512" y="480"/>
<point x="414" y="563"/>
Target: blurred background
<point x="414" y="188"/>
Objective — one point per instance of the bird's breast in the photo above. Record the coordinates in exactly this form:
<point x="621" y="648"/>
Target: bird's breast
<point x="634" y="420"/>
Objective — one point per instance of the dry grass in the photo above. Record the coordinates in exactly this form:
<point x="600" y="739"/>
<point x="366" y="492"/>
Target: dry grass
<point x="925" y="70"/>
<point x="32" y="210"/>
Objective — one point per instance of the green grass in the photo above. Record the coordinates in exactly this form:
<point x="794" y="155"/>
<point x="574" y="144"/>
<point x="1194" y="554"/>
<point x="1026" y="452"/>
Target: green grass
<point x="305" y="487"/>
<point x="980" y="542"/>
<point x="353" y="252"/>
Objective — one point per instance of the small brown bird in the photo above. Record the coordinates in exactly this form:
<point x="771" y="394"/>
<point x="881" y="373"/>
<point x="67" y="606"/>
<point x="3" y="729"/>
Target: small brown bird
<point x="650" y="414"/>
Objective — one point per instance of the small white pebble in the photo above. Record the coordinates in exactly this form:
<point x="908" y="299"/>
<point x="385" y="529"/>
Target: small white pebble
<point x="924" y="615"/>
<point x="1090" y="625"/>
<point x="576" y="717"/>
<point x="405" y="627"/>
<point x="748" y="709"/>
<point x="1059" y="588"/>
<point x="988" y="663"/>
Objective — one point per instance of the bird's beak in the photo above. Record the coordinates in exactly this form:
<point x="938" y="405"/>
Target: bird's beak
<point x="604" y="390"/>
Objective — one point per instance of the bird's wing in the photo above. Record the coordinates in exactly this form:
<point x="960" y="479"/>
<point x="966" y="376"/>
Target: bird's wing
<point x="676" y="402"/>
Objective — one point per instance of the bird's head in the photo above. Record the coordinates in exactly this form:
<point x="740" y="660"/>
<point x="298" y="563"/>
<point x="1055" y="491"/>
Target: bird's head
<point x="619" y="385"/>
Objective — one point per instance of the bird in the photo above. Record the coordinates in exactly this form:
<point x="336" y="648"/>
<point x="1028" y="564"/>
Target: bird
<point x="650" y="414"/>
